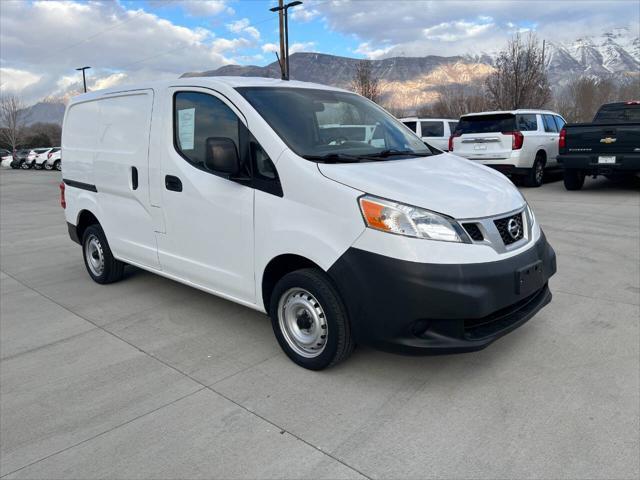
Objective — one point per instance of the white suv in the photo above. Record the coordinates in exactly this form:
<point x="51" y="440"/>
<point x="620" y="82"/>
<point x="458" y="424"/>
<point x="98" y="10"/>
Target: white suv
<point x="53" y="160"/>
<point x="518" y="143"/>
<point x="434" y="131"/>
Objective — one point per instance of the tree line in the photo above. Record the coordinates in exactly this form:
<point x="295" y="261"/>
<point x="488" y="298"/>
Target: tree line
<point x="15" y="133"/>
<point x="519" y="81"/>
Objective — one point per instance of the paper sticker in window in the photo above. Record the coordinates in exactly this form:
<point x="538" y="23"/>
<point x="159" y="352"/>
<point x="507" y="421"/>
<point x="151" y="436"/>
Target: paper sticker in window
<point x="186" y="128"/>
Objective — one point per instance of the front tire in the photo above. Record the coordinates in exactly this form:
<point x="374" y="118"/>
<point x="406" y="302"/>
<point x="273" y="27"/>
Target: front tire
<point x="310" y="320"/>
<point x="37" y="166"/>
<point x="48" y="166"/>
<point x="573" y="179"/>
<point x="535" y="177"/>
<point x="102" y="266"/>
<point x="25" y="166"/>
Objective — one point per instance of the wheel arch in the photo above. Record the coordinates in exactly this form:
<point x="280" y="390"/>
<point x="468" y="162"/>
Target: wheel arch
<point x="543" y="153"/>
<point x="277" y="268"/>
<point x="85" y="219"/>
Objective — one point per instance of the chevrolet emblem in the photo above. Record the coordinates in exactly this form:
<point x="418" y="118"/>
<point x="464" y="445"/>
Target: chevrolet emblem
<point x="608" y="140"/>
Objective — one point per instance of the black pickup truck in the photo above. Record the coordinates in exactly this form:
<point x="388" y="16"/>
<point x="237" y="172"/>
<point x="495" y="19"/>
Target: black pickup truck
<point x="610" y="145"/>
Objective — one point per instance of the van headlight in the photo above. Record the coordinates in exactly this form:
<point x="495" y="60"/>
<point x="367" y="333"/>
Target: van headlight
<point x="401" y="219"/>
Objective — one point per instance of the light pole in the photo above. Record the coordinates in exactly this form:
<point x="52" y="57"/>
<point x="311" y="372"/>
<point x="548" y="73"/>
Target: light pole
<point x="284" y="8"/>
<point x="84" y="78"/>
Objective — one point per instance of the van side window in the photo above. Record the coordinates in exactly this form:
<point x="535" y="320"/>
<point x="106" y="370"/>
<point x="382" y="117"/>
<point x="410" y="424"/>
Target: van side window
<point x="411" y="125"/>
<point x="549" y="123"/>
<point x="432" y="129"/>
<point x="196" y="117"/>
<point x="527" y="122"/>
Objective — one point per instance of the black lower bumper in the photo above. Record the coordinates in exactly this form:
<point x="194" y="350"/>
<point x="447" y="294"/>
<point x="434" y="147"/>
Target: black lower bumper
<point x="625" y="163"/>
<point x="418" y="308"/>
<point x="508" y="169"/>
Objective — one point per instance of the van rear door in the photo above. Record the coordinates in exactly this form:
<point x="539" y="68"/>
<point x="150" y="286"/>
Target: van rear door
<point x="485" y="137"/>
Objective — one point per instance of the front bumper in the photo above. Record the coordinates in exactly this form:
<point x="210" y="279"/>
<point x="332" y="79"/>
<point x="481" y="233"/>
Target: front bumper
<point x="418" y="308"/>
<point x="625" y="162"/>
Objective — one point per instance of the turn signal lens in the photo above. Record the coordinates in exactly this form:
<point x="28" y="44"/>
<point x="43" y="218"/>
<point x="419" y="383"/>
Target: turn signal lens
<point x="401" y="219"/>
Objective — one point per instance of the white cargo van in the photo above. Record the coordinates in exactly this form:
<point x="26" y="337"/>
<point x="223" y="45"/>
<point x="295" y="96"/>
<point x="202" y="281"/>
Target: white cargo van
<point x="236" y="187"/>
<point x="434" y="131"/>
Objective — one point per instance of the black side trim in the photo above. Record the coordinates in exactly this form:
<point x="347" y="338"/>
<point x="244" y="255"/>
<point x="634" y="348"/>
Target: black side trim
<point x="80" y="185"/>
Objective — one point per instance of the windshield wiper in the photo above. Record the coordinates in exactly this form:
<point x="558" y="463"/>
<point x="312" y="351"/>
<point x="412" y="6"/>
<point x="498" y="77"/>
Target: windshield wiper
<point x="333" y="158"/>
<point x="392" y="152"/>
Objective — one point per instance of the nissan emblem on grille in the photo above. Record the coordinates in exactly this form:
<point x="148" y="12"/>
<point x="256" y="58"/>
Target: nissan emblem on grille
<point x="513" y="228"/>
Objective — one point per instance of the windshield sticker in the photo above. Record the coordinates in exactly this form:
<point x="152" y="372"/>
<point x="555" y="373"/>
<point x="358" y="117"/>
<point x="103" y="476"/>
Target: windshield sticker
<point x="186" y="127"/>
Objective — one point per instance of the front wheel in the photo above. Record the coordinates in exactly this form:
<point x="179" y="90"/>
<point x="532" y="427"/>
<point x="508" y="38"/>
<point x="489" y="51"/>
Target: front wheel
<point x="100" y="262"/>
<point x="309" y="320"/>
<point x="37" y="166"/>
<point x="573" y="179"/>
<point x="57" y="165"/>
<point x="535" y="176"/>
<point x="48" y="166"/>
<point x="25" y="166"/>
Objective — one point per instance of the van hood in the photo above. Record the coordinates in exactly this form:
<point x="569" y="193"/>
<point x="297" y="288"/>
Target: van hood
<point x="441" y="183"/>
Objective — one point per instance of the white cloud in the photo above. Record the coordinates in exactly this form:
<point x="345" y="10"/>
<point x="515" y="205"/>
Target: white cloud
<point x="300" y="14"/>
<point x="14" y="80"/>
<point x="458" y="27"/>
<point x="244" y="26"/>
<point x="373" y="53"/>
<point x="456" y="31"/>
<point x="270" y="48"/>
<point x="301" y="47"/>
<point x="203" y="8"/>
<point x="120" y="45"/>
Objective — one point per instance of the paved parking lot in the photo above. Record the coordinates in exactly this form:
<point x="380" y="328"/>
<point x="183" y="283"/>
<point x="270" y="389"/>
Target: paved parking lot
<point x="148" y="378"/>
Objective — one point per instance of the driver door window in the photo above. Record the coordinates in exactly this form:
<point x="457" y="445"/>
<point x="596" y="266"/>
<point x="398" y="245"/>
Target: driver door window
<point x="198" y="116"/>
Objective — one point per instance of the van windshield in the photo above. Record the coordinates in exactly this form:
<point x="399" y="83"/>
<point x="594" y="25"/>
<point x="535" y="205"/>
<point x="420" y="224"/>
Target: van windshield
<point x="332" y="126"/>
<point x="487" y="123"/>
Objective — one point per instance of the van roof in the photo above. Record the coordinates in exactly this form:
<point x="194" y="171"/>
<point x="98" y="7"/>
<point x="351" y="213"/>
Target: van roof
<point x="427" y="119"/>
<point x="514" y="112"/>
<point x="223" y="83"/>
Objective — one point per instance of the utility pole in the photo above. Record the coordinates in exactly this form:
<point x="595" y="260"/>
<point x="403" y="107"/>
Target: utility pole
<point x="284" y="35"/>
<point x="84" y="78"/>
<point x="282" y="57"/>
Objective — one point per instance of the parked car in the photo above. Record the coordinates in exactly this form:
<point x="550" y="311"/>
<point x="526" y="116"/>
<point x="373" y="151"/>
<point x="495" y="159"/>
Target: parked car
<point x="19" y="158"/>
<point x="5" y="157"/>
<point x="53" y="160"/>
<point x="30" y="161"/>
<point x="610" y="145"/>
<point x="434" y="131"/>
<point x="339" y="242"/>
<point x="518" y="143"/>
<point x="41" y="159"/>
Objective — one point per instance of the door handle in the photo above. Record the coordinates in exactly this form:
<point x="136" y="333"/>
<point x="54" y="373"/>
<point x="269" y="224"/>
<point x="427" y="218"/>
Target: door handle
<point x="172" y="183"/>
<point x="134" y="178"/>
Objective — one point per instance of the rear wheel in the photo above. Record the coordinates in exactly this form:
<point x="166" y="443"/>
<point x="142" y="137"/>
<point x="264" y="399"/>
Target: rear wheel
<point x="573" y="179"/>
<point x="309" y="320"/>
<point x="100" y="262"/>
<point x="25" y="166"/>
<point x="37" y="166"/>
<point x="48" y="166"/>
<point x="535" y="176"/>
<point x="57" y="165"/>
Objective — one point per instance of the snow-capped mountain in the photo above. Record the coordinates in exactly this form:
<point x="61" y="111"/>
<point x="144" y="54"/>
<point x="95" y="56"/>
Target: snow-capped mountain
<point x="612" y="53"/>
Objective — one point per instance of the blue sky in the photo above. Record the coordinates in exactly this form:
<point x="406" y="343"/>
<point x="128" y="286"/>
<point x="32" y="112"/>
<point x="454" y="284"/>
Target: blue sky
<point x="127" y="41"/>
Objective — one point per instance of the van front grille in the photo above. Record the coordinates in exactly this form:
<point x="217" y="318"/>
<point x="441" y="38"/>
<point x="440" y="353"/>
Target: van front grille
<point x="511" y="228"/>
<point x="474" y="231"/>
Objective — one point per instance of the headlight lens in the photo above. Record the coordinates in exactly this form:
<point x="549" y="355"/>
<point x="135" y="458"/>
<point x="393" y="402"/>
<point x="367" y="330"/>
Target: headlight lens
<point x="401" y="219"/>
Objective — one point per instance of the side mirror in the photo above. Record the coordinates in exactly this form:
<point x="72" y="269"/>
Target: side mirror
<point x="222" y="156"/>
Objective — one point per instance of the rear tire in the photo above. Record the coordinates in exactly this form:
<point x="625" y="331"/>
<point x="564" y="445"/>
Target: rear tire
<point x="573" y="179"/>
<point x="48" y="166"/>
<point x="103" y="268"/>
<point x="25" y="166"/>
<point x="57" y="165"/>
<point x="37" y="166"/>
<point x="309" y="320"/>
<point x="535" y="176"/>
